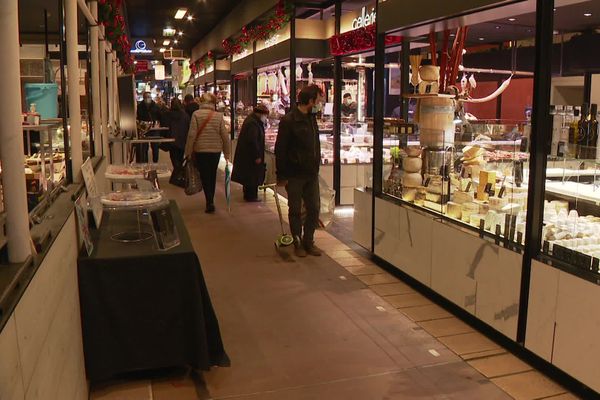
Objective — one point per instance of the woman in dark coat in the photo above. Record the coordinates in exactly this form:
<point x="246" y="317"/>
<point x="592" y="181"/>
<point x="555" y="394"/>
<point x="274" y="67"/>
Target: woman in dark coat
<point x="248" y="163"/>
<point x="179" y="124"/>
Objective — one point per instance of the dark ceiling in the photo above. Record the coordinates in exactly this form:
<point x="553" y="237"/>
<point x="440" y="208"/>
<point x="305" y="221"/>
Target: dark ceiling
<point x="148" y="18"/>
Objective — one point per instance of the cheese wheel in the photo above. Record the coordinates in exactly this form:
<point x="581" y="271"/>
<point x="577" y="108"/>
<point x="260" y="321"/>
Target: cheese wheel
<point x="409" y="194"/>
<point x="469" y="209"/>
<point x="412" y="180"/>
<point x="412" y="164"/>
<point x="413" y="151"/>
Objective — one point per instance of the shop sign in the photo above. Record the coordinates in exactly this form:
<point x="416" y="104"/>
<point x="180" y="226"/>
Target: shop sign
<point x="159" y="72"/>
<point x="140" y="47"/>
<point x="141" y="66"/>
<point x="364" y="19"/>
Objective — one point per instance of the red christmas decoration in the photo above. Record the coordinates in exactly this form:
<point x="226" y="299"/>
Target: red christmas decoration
<point x="358" y="40"/>
<point x="280" y="17"/>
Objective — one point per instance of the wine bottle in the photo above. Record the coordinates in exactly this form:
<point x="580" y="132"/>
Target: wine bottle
<point x="593" y="132"/>
<point x="582" y="131"/>
<point x="574" y="132"/>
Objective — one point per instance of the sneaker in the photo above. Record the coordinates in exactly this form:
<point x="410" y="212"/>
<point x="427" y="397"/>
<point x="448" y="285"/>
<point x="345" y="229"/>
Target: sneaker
<point x="210" y="209"/>
<point x="299" y="250"/>
<point x="313" y="250"/>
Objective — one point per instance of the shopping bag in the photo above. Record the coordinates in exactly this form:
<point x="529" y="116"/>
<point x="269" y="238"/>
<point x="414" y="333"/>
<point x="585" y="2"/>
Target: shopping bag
<point x="193" y="183"/>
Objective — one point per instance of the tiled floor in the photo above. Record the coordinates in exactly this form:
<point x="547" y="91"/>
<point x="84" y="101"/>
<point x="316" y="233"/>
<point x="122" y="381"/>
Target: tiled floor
<point x="333" y="327"/>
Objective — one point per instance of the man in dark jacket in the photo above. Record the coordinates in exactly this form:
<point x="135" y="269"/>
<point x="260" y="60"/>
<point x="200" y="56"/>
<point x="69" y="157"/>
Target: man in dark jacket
<point x="179" y="124"/>
<point x="248" y="163"/>
<point x="298" y="157"/>
<point x="147" y="111"/>
<point x="190" y="104"/>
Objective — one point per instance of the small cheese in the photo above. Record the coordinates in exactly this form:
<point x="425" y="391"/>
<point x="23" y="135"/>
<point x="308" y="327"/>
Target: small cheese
<point x="511" y="208"/>
<point x="412" y="180"/>
<point x="434" y="197"/>
<point x="454" y="210"/>
<point x="412" y="164"/>
<point x="474" y="219"/>
<point x="496" y="203"/>
<point x="468" y="209"/>
<point x="463" y="197"/>
<point x="409" y="194"/>
<point x="472" y="152"/>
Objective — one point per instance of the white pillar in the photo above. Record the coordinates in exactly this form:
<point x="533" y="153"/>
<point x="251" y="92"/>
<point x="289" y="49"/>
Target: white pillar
<point x="97" y="121"/>
<point x="115" y="77"/>
<point x="111" y="100"/>
<point x="73" y="87"/>
<point x="103" y="99"/>
<point x="11" y="136"/>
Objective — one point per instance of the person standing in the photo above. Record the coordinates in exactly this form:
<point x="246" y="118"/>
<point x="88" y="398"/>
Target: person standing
<point x="207" y="138"/>
<point x="298" y="157"/>
<point x="190" y="104"/>
<point x="349" y="106"/>
<point x="179" y="123"/>
<point x="148" y="112"/>
<point x="248" y="163"/>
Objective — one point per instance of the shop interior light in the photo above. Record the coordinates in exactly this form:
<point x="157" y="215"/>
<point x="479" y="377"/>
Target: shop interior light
<point x="481" y="39"/>
<point x="162" y="49"/>
<point x="190" y="18"/>
<point x="175" y="41"/>
<point x="166" y="42"/>
<point x="181" y="13"/>
<point x="512" y="19"/>
<point x="180" y="33"/>
<point x="168" y="32"/>
<point x="587" y="14"/>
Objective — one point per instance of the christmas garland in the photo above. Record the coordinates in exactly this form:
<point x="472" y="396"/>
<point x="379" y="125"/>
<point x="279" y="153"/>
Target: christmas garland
<point x="115" y="31"/>
<point x="277" y="20"/>
<point x="203" y="63"/>
<point x="358" y="40"/>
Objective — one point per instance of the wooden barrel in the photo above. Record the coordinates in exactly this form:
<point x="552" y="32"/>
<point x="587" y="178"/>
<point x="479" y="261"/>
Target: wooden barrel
<point x="435" y="116"/>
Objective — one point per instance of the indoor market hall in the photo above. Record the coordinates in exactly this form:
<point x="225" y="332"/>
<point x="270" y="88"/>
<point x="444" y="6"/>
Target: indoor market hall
<point x="299" y="200"/>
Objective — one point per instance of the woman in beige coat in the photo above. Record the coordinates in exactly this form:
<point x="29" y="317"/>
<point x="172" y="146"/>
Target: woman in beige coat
<point x="207" y="138"/>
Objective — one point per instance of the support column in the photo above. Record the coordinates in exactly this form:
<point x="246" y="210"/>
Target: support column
<point x="110" y="92"/>
<point x="73" y="88"/>
<point x="103" y="97"/>
<point x="115" y="76"/>
<point x="96" y="113"/>
<point x="11" y="137"/>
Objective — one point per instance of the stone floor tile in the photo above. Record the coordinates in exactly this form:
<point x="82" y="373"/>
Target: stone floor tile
<point x="445" y="327"/>
<point x="390" y="289"/>
<point x="363" y="269"/>
<point x="483" y="354"/>
<point x="377" y="279"/>
<point x="425" y="313"/>
<point x="499" y="365"/>
<point x="130" y="390"/>
<point x="355" y="262"/>
<point x="183" y="388"/>
<point x="408" y="300"/>
<point x="340" y="254"/>
<point x="528" y="386"/>
<point x="468" y="343"/>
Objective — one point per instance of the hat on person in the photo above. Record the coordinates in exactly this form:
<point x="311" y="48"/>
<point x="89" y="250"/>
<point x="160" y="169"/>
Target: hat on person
<point x="261" y="109"/>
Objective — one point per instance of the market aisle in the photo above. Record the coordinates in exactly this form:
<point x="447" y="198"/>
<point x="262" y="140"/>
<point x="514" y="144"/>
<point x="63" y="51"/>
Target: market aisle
<point x="297" y="329"/>
<point x="334" y="327"/>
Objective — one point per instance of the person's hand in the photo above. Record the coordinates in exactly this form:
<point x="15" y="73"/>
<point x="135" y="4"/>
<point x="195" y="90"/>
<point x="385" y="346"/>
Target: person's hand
<point x="282" y="182"/>
<point x="258" y="161"/>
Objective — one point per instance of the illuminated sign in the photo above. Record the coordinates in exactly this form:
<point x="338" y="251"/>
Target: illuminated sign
<point x="364" y="19"/>
<point x="140" y="48"/>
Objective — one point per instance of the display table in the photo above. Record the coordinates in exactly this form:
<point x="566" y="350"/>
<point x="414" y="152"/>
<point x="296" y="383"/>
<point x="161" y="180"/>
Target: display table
<point x="145" y="309"/>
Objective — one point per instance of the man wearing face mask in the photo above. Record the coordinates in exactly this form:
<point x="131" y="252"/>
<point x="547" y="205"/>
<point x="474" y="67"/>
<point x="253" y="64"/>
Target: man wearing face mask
<point x="248" y="163"/>
<point x="348" y="106"/>
<point x="147" y="111"/>
<point x="298" y="157"/>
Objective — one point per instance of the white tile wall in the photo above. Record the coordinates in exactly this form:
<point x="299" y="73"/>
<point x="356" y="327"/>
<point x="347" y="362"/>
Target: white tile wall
<point x="11" y="378"/>
<point x="362" y="221"/>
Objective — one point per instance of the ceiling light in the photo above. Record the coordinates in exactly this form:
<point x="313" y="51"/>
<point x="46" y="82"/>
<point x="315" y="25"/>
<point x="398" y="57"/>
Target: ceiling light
<point x="587" y="14"/>
<point x="162" y="50"/>
<point x="190" y="18"/>
<point x="168" y="32"/>
<point x="482" y="39"/>
<point x="180" y="33"/>
<point x="135" y="62"/>
<point x="512" y="19"/>
<point x="180" y="13"/>
<point x="497" y="26"/>
<point x="175" y="41"/>
<point x="166" y="42"/>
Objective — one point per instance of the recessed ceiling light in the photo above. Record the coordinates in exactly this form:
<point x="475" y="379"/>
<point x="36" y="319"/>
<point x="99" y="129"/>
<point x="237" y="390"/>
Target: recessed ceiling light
<point x="166" y="42"/>
<point x="180" y="33"/>
<point x="135" y="62"/>
<point x="497" y="26"/>
<point x="190" y="18"/>
<point x="587" y="14"/>
<point x="180" y="13"/>
<point x="481" y="38"/>
<point x="175" y="41"/>
<point x="162" y="50"/>
<point x="512" y="19"/>
<point x="168" y="32"/>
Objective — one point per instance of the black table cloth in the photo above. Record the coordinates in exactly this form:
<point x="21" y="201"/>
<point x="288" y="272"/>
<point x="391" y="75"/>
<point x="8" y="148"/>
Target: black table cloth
<point x="142" y="308"/>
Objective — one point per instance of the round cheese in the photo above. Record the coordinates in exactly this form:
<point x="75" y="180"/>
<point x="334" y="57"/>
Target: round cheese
<point x="412" y="164"/>
<point x="412" y="180"/>
<point x="413" y="151"/>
